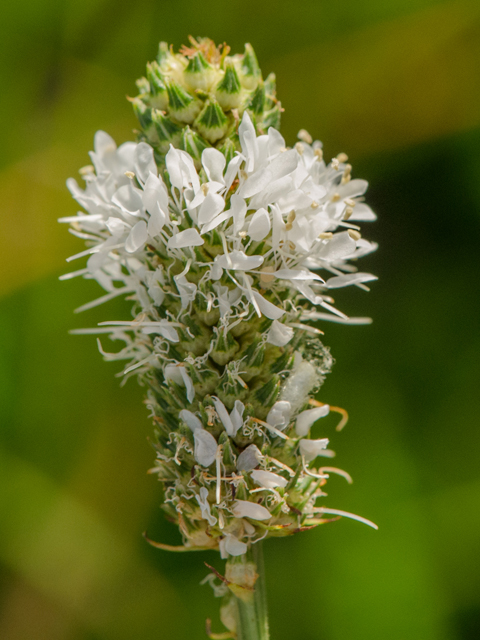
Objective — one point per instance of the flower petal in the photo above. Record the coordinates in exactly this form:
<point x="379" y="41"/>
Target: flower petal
<point x="307" y="418"/>
<point x="187" y="238"/>
<point x="205" y="447"/>
<point x="214" y="163"/>
<point x="279" y="414"/>
<point x="190" y="419"/>
<point x="279" y="334"/>
<point x="246" y="509"/>
<point x="249" y="458"/>
<point x="144" y="161"/>
<point x="137" y="237"/>
<point x="260" y="225"/>
<point x="238" y="260"/>
<point x="268" y="309"/>
<point x="268" y="480"/>
<point x="351" y="278"/>
<point x="310" y="449"/>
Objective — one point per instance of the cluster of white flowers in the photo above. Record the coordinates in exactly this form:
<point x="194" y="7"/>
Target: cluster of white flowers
<point x="230" y="267"/>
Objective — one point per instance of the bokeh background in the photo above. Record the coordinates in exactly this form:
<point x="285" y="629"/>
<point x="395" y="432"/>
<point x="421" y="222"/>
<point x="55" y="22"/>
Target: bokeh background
<point x="395" y="84"/>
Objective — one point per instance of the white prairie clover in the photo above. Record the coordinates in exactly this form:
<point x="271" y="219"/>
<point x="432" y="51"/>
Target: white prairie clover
<point x="229" y="256"/>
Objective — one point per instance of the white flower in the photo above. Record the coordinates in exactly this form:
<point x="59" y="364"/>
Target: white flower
<point x="227" y="265"/>
<point x="205" y="447"/>
<point x="310" y="449"/>
<point x="202" y="500"/>
<point x="268" y="480"/>
<point x="307" y="418"/>
<point x="279" y="414"/>
<point x="230" y="545"/>
<point x="249" y="458"/>
<point x="246" y="509"/>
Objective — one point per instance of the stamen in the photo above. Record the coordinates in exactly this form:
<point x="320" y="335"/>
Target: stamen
<point x="326" y="235"/>
<point x="300" y="148"/>
<point x="342" y="157"/>
<point x="342" y="412"/>
<point x="355" y="235"/>
<point x="87" y="170"/>
<point x="335" y="197"/>
<point x="347" y="174"/>
<point x="339" y="472"/>
<point x="335" y="164"/>
<point x="310" y="473"/>
<point x="130" y="174"/>
<point x="346" y="514"/>
<point x="304" y="136"/>
<point x="280" y="465"/>
<point x="348" y="213"/>
<point x="218" y="462"/>
<point x="274" y="430"/>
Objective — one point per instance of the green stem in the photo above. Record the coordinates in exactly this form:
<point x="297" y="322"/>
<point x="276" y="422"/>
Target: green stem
<point x="252" y="614"/>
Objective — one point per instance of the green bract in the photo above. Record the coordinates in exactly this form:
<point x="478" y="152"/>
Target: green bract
<point x="194" y="99"/>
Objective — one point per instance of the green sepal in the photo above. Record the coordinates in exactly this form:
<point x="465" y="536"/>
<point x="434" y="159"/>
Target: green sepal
<point x="163" y="53"/>
<point x="252" y="360"/>
<point x="225" y="347"/>
<point x="256" y="103"/>
<point x="197" y="64"/>
<point x="212" y="122"/>
<point x="265" y="395"/>
<point x="231" y="386"/>
<point x="193" y="144"/>
<point x="228" y="90"/>
<point x="143" y="86"/>
<point x="154" y="77"/>
<point x="271" y="118"/>
<point x="182" y="105"/>
<point x="228" y="149"/>
<point x="168" y="132"/>
<point x="204" y="380"/>
<point x="199" y="343"/>
<point x="242" y="492"/>
<point x="270" y="85"/>
<point x="230" y="83"/>
<point x="250" y="68"/>
<point x="229" y="457"/>
<point x="142" y="112"/>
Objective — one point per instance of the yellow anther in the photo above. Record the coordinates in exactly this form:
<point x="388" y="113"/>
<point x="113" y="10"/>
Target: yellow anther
<point x="349" y="202"/>
<point x="314" y="205"/>
<point x="318" y="154"/>
<point x="291" y="216"/>
<point x="355" y="235"/>
<point x="326" y="235"/>
<point x="348" y="213"/>
<point x="346" y="174"/>
<point x="305" y="136"/>
<point x="85" y="171"/>
<point x="342" y="157"/>
<point x="335" y="164"/>
<point x="335" y="197"/>
<point x="130" y="174"/>
<point x="266" y="275"/>
<point x="300" y="148"/>
<point x="204" y="188"/>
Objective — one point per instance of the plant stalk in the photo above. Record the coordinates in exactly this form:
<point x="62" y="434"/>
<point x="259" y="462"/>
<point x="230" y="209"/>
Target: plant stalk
<point x="252" y="621"/>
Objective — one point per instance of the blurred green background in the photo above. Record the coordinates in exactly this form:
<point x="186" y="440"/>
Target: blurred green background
<point x="395" y="84"/>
